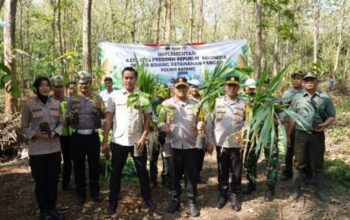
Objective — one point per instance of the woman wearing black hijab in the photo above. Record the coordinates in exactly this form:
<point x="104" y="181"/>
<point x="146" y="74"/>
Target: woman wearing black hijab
<point x="42" y="124"/>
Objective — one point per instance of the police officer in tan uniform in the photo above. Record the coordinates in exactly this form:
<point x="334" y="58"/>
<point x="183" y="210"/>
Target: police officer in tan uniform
<point x="130" y="130"/>
<point x="226" y="124"/>
<point x="185" y="156"/>
<point x="84" y="114"/>
<point x="42" y="124"/>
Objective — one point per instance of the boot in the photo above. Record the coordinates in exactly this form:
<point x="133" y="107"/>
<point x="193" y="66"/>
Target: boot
<point x="174" y="205"/>
<point x="319" y="187"/>
<point x="250" y="188"/>
<point x="270" y="192"/>
<point x="56" y="215"/>
<point x="296" y="184"/>
<point x="235" y="204"/>
<point x="112" y="207"/>
<point x="194" y="212"/>
<point x="221" y="201"/>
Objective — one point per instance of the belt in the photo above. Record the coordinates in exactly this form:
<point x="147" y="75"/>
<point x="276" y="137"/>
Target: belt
<point x="85" y="131"/>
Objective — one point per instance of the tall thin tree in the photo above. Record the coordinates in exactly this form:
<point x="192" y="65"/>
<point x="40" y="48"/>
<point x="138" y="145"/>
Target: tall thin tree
<point x="87" y="63"/>
<point x="11" y="101"/>
<point x="258" y="38"/>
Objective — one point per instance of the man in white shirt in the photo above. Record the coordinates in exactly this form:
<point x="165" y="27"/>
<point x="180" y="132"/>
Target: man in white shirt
<point x="130" y="127"/>
<point x="105" y="94"/>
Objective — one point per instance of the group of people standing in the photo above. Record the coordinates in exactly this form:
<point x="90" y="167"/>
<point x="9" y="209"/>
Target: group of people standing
<point x="70" y="122"/>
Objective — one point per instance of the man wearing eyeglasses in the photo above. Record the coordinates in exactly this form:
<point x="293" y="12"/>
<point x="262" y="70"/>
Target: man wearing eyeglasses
<point x="318" y="111"/>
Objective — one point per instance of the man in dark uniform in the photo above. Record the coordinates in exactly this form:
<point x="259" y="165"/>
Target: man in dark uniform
<point x="84" y="114"/>
<point x="297" y="87"/>
<point x="318" y="111"/>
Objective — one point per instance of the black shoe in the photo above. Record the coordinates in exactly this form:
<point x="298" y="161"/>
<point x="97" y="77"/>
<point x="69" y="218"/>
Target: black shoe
<point x="112" y="208"/>
<point x="150" y="204"/>
<point x="285" y="176"/>
<point x="173" y="206"/>
<point x="250" y="188"/>
<point x="80" y="200"/>
<point x="56" y="215"/>
<point x="45" y="216"/>
<point x="270" y="192"/>
<point x="194" y="212"/>
<point x="97" y="197"/>
<point x="235" y="202"/>
<point x="221" y="202"/>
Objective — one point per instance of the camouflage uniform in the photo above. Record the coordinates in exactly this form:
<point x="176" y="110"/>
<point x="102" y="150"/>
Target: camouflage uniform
<point x="252" y="157"/>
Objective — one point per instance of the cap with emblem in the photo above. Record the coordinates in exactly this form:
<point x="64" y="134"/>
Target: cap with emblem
<point x="232" y="80"/>
<point x="297" y="74"/>
<point x="250" y="83"/>
<point x="180" y="81"/>
<point x="56" y="81"/>
<point x="194" y="82"/>
<point x="84" y="77"/>
<point x="309" y="75"/>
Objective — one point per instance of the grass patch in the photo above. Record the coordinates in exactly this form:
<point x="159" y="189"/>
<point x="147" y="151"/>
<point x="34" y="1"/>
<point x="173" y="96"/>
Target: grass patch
<point x="337" y="171"/>
<point x="343" y="105"/>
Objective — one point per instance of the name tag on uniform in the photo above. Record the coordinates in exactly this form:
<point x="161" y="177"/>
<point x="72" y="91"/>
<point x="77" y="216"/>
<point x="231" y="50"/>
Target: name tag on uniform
<point x="37" y="111"/>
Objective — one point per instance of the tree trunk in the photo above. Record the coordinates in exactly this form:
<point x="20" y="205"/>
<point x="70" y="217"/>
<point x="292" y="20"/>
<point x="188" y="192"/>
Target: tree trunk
<point x="258" y="43"/>
<point x="346" y="63"/>
<point x="1" y="3"/>
<point x="59" y="27"/>
<point x="317" y="9"/>
<point x="167" y="33"/>
<point x="53" y="27"/>
<point x="11" y="102"/>
<point x="158" y="20"/>
<point x="87" y="65"/>
<point x="124" y="20"/>
<point x="200" y="21"/>
<point x="215" y="21"/>
<point x="340" y="39"/>
<point x="21" y="45"/>
<point x="276" y="49"/>
<point x="191" y="21"/>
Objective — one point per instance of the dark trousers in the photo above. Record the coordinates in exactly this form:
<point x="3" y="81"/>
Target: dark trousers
<point x="166" y="160"/>
<point x="45" y="170"/>
<point x="200" y="161"/>
<point x="184" y="162"/>
<point x="86" y="146"/>
<point x="67" y="160"/>
<point x="289" y="155"/>
<point x="119" y="156"/>
<point x="229" y="160"/>
<point x="309" y="147"/>
<point x="153" y="154"/>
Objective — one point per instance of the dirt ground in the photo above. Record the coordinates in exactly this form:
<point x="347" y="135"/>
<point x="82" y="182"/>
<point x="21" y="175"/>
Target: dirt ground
<point x="17" y="200"/>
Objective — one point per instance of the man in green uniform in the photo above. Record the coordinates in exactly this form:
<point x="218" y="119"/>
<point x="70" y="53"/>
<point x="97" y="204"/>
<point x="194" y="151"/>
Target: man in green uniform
<point x="57" y="87"/>
<point x="318" y="111"/>
<point x="271" y="159"/>
<point x="297" y="87"/>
